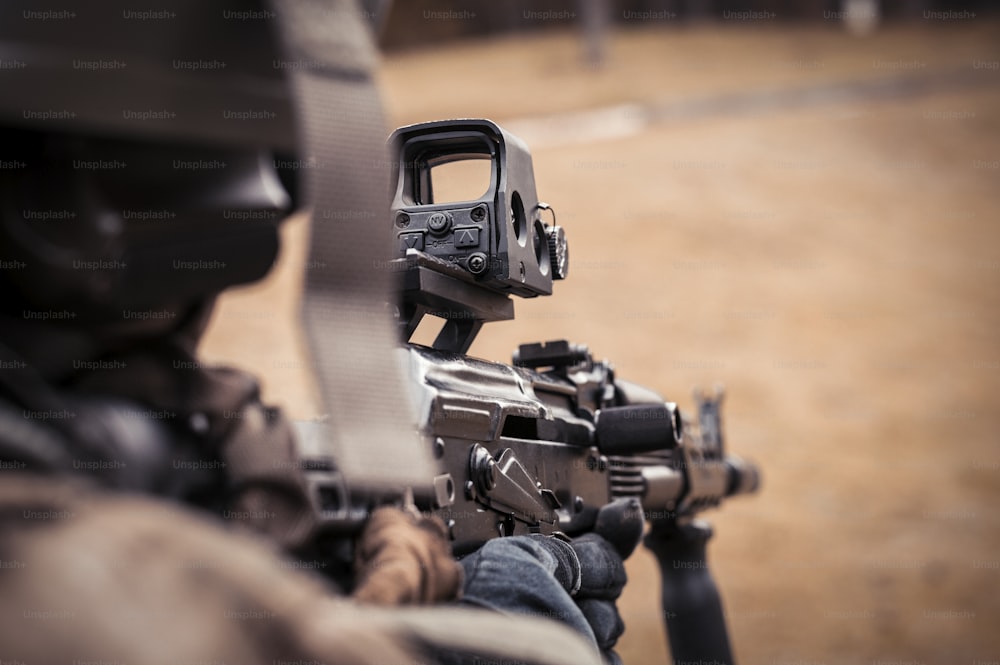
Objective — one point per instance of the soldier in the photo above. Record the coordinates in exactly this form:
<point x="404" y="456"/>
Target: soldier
<point x="138" y="181"/>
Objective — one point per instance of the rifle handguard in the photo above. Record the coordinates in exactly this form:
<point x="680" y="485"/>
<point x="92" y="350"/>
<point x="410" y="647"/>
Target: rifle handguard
<point x="639" y="428"/>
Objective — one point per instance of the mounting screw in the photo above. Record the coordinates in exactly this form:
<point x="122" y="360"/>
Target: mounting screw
<point x="478" y="213"/>
<point x="402" y="220"/>
<point x="477" y="263"/>
<point x="438" y="448"/>
<point x="577" y="504"/>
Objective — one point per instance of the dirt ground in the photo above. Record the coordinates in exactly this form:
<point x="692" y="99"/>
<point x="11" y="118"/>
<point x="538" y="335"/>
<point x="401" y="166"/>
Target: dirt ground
<point x="812" y="219"/>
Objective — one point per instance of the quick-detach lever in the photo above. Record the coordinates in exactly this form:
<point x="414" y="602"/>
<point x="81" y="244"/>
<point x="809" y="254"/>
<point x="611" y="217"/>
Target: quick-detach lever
<point x="504" y="485"/>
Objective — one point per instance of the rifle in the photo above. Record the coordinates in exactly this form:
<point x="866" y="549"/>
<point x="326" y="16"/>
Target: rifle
<point x="538" y="446"/>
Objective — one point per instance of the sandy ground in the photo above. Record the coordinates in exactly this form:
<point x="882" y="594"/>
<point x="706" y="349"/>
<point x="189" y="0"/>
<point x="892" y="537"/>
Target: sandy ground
<point x="810" y="218"/>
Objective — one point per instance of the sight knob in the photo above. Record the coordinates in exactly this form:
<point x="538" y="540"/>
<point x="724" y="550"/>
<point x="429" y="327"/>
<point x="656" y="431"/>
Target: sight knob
<point x="558" y="252"/>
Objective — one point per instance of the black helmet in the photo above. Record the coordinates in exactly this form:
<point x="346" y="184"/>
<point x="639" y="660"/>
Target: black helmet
<point x="139" y="158"/>
<point x="203" y="71"/>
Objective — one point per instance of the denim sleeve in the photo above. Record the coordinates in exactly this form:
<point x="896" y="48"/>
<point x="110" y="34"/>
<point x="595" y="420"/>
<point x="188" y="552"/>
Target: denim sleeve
<point x="527" y="575"/>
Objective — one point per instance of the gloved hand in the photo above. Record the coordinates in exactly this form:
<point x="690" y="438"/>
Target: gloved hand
<point x="602" y="569"/>
<point x="402" y="558"/>
<point x="574" y="582"/>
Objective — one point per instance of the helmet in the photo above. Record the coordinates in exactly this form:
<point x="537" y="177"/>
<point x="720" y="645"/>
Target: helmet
<point x="203" y="71"/>
<point x="142" y="155"/>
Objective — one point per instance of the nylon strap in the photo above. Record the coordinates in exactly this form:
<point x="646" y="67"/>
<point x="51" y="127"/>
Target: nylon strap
<point x="348" y="325"/>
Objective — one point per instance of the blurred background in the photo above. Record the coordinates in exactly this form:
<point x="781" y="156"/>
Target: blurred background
<point x="798" y="200"/>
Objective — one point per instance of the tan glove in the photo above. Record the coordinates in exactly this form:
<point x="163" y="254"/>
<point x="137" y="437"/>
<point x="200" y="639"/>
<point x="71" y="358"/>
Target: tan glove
<point x="405" y="559"/>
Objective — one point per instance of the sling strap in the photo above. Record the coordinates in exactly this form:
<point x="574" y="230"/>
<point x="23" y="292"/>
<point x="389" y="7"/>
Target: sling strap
<point x="347" y="320"/>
